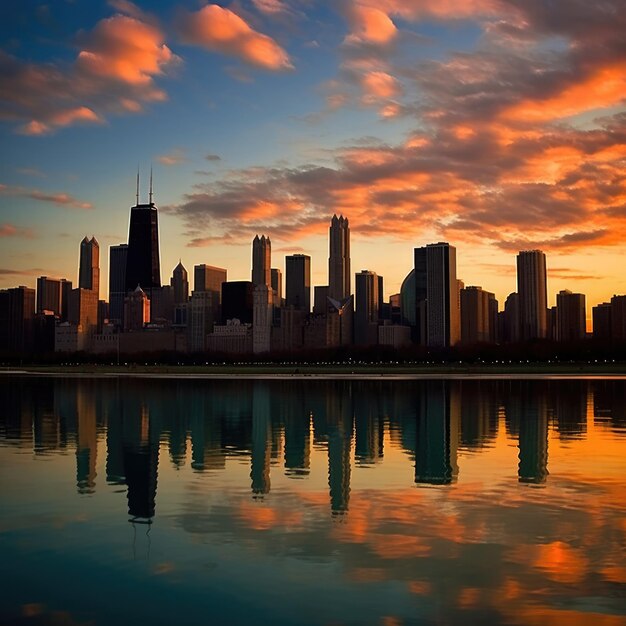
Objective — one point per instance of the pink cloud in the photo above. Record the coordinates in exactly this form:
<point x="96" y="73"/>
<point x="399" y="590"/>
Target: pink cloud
<point x="9" y="230"/>
<point x="220" y="30"/>
<point x="175" y="157"/>
<point x="61" y="199"/>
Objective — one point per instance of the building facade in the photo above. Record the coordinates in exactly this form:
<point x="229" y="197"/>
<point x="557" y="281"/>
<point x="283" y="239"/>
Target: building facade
<point x="532" y="293"/>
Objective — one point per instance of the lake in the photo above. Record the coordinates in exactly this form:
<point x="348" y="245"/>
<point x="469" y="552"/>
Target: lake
<point x="180" y="501"/>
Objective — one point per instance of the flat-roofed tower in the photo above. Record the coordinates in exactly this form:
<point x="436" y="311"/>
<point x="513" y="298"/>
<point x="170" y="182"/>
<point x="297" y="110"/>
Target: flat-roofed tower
<point x="532" y="291"/>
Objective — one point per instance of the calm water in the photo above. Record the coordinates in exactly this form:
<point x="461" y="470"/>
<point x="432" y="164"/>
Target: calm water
<point x="284" y="502"/>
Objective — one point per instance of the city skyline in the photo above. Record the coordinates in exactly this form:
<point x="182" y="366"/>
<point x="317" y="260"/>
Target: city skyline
<point x="493" y="125"/>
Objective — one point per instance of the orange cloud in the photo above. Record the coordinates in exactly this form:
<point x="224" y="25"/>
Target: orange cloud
<point x="370" y="25"/>
<point x="221" y="30"/>
<point x="125" y="49"/>
<point x="113" y="72"/>
<point x="603" y="88"/>
<point x="379" y="86"/>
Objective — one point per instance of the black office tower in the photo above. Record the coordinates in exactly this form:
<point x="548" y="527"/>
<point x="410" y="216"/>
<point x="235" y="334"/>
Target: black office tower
<point x="142" y="264"/>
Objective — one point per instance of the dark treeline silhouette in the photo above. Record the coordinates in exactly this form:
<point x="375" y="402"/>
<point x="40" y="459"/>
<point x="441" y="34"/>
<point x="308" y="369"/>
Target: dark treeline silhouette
<point x="539" y="351"/>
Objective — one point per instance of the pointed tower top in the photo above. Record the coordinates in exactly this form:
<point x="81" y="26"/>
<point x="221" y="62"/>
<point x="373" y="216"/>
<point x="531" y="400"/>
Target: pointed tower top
<point x="137" y="191"/>
<point x="85" y="239"/>
<point x="256" y="238"/>
<point x="151" y="194"/>
<point x="335" y="219"/>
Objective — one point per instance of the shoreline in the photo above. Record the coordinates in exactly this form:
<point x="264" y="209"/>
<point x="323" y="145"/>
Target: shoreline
<point x="332" y="372"/>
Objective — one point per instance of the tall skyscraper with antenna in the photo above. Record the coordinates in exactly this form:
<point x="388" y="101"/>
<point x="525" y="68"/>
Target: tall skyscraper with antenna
<point x="142" y="264"/>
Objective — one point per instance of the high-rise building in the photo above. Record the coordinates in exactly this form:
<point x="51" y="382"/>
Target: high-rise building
<point x="320" y="299"/>
<point x="298" y="282"/>
<point x="532" y="290"/>
<point x="339" y="259"/>
<point x="618" y="318"/>
<point x="277" y="286"/>
<point x="208" y="278"/>
<point x="436" y="295"/>
<point x="420" y="287"/>
<point x="143" y="266"/>
<point x="17" y="312"/>
<point x="237" y="301"/>
<point x="202" y="314"/>
<point x="89" y="269"/>
<point x="262" y="261"/>
<point x="602" y="321"/>
<point x="367" y="308"/>
<point x="180" y="285"/>
<point x="475" y="315"/>
<point x="511" y="325"/>
<point x="66" y="290"/>
<point x="571" y="323"/>
<point x="136" y="310"/>
<point x="118" y="256"/>
<point x="49" y="295"/>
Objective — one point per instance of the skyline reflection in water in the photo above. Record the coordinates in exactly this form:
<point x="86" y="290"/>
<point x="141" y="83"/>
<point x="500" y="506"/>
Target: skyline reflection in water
<point x="315" y="502"/>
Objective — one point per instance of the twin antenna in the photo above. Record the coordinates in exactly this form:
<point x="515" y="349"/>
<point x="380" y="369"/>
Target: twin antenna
<point x="137" y="193"/>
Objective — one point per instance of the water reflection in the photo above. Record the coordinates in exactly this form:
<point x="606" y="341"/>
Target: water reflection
<point x="421" y="486"/>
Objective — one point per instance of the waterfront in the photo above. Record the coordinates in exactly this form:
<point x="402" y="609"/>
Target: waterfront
<point x="313" y="502"/>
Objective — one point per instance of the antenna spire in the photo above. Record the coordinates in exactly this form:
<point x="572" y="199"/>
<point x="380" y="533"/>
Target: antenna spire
<point x="151" y="184"/>
<point x="137" y="193"/>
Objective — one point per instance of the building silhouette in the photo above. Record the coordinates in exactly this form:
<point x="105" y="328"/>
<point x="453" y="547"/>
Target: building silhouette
<point x="143" y="265"/>
<point x="298" y="282"/>
<point x="339" y="259"/>
<point x="277" y="286"/>
<point x="118" y="256"/>
<point x="476" y="315"/>
<point x="437" y="314"/>
<point x="532" y="292"/>
<point x="17" y="312"/>
<point x="237" y="301"/>
<point x="209" y="278"/>
<point x="89" y="267"/>
<point x="571" y="323"/>
<point x="367" y="314"/>
<point x="602" y="321"/>
<point x="180" y="285"/>
<point x="49" y="296"/>
<point x="262" y="261"/>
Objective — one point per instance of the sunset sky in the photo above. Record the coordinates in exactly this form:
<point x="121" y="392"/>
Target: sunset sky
<point x="495" y="125"/>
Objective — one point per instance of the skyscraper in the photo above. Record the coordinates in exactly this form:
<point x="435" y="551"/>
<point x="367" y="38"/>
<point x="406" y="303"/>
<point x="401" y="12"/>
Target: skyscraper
<point x="571" y="323"/>
<point x="437" y="295"/>
<point x="180" y="284"/>
<point x="118" y="256"/>
<point x="339" y="259"/>
<point x="277" y="286"/>
<point x="262" y="261"/>
<point x="143" y="266"/>
<point x="298" y="282"/>
<point x="367" y="308"/>
<point x="208" y="278"/>
<point x="49" y="295"/>
<point x="532" y="290"/>
<point x="89" y="269"/>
